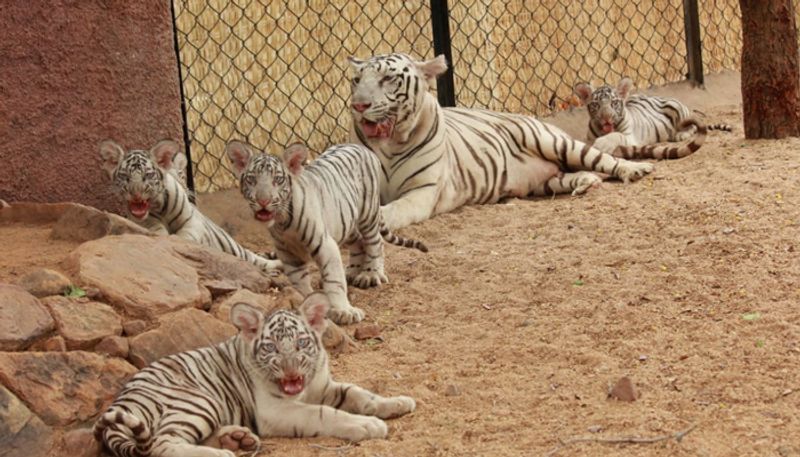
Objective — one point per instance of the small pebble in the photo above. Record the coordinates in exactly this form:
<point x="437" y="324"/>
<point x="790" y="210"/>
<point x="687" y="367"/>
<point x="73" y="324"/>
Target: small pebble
<point x="624" y="390"/>
<point x="452" y="390"/>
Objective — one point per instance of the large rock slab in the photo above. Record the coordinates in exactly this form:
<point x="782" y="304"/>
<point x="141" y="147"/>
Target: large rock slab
<point x="21" y="432"/>
<point x="83" y="323"/>
<point x="23" y="319"/>
<point x="218" y="268"/>
<point x="43" y="283"/>
<point x="83" y="223"/>
<point x="33" y="213"/>
<point x="139" y="274"/>
<point x="63" y="388"/>
<point x="181" y="331"/>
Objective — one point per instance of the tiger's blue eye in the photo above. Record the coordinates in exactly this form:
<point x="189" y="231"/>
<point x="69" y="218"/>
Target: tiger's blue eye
<point x="268" y="347"/>
<point x="278" y="180"/>
<point x="303" y="342"/>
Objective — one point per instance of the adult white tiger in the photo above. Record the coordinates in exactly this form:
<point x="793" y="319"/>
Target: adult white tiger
<point x="629" y="126"/>
<point x="157" y="200"/>
<point x="332" y="202"/>
<point x="272" y="378"/>
<point x="437" y="159"/>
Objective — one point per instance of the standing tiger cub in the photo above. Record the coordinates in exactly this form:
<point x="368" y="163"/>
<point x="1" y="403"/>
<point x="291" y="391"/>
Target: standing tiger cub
<point x="311" y="211"/>
<point x="629" y="126"/>
<point x="157" y="200"/>
<point x="437" y="159"/>
<point x="271" y="379"/>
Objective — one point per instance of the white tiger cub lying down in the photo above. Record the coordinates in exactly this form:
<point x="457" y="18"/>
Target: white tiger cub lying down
<point x="157" y="200"/>
<point x="311" y="211"/>
<point x="437" y="159"/>
<point x="629" y="126"/>
<point x="271" y="379"/>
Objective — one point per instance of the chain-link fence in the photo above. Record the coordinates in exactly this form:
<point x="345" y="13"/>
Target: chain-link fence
<point x="273" y="72"/>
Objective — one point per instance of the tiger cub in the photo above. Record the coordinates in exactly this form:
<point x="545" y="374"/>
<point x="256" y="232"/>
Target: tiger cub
<point x="311" y="211"/>
<point x="157" y="200"/>
<point x="629" y="126"/>
<point x="271" y="379"/>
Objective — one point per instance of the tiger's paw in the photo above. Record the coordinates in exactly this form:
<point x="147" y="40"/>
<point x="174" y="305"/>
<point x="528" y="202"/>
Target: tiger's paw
<point x="393" y="407"/>
<point x="359" y="428"/>
<point x="346" y="315"/>
<point x="235" y="438"/>
<point x="370" y="278"/>
<point x="629" y="171"/>
<point x="586" y="181"/>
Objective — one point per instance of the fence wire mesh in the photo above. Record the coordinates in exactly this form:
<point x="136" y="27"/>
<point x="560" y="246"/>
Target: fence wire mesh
<point x="274" y="72"/>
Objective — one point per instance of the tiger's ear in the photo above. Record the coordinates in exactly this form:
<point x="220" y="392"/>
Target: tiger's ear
<point x="239" y="154"/>
<point x="356" y="63"/>
<point x="624" y="87"/>
<point x="584" y="91"/>
<point x="432" y="68"/>
<point x="314" y="308"/>
<point x="247" y="319"/>
<point x="111" y="153"/>
<point x="164" y="154"/>
<point x="294" y="156"/>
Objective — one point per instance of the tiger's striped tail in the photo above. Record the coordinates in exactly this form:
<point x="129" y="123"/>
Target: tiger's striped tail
<point x="398" y="240"/>
<point x="667" y="151"/>
<point x="720" y="127"/>
<point x="118" y="441"/>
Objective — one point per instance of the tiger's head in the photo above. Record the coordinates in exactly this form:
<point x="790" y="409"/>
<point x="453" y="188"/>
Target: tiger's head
<point x="388" y="91"/>
<point x="139" y="176"/>
<point x="285" y="347"/>
<point x="606" y="104"/>
<point x="266" y="180"/>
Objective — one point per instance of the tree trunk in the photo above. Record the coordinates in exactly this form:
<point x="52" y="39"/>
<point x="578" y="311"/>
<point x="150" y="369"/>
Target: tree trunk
<point x="770" y="70"/>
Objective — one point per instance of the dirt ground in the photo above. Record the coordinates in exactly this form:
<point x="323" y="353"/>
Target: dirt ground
<point x="687" y="282"/>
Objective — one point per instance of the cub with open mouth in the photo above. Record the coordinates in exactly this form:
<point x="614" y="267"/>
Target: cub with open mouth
<point x="271" y="379"/>
<point x="312" y="210"/>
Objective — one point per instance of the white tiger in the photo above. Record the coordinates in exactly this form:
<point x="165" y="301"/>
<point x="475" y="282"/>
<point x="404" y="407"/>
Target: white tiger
<point x="271" y="379"/>
<point x="629" y="126"/>
<point x="437" y="159"/>
<point x="157" y="200"/>
<point x="313" y="210"/>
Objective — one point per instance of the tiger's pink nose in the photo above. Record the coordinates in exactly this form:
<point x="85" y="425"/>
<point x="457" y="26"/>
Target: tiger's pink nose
<point x="264" y="202"/>
<point x="361" y="107"/>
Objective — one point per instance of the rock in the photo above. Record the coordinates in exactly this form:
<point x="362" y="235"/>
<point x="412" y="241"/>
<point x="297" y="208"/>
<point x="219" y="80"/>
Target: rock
<point x="217" y="267"/>
<point x="114" y="346"/>
<point x="83" y="324"/>
<point x="290" y="298"/>
<point x="220" y="287"/>
<point x="34" y="213"/>
<point x="335" y="339"/>
<point x="137" y="273"/>
<point x="81" y="443"/>
<point x="366" y="331"/>
<point x="4" y="204"/>
<point x="23" y="319"/>
<point x="44" y="282"/>
<point x="181" y="331"/>
<point x="787" y="451"/>
<point x="594" y="428"/>
<point x="53" y="344"/>
<point x="63" y="388"/>
<point x="222" y="309"/>
<point x="82" y="223"/>
<point x="134" y="327"/>
<point x="452" y="390"/>
<point x="624" y="390"/>
<point x="21" y="432"/>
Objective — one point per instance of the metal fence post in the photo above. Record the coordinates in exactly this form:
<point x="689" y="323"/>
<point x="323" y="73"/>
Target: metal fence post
<point x="440" y="22"/>
<point x="694" y="48"/>
<point x="186" y="140"/>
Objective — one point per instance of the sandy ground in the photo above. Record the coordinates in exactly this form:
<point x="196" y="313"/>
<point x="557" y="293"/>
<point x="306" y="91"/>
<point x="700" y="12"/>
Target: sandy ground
<point x="687" y="282"/>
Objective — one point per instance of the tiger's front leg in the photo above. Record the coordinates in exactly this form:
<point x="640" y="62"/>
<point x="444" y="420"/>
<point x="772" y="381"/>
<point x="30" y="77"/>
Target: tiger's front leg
<point x="296" y="270"/>
<point x="295" y="419"/>
<point x="334" y="284"/>
<point x="609" y="143"/>
<point x="415" y="206"/>
<point x="371" y="273"/>
<point x="355" y="399"/>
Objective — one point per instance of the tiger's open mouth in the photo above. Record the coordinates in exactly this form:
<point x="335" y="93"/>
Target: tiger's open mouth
<point x="382" y="129"/>
<point x="292" y="384"/>
<point x="265" y="215"/>
<point x="139" y="208"/>
<point x="607" y="127"/>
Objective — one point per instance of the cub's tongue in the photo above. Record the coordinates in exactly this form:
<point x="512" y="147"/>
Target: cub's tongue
<point x="264" y="215"/>
<point x="608" y="128"/>
<point x="138" y="208"/>
<point x="292" y="385"/>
